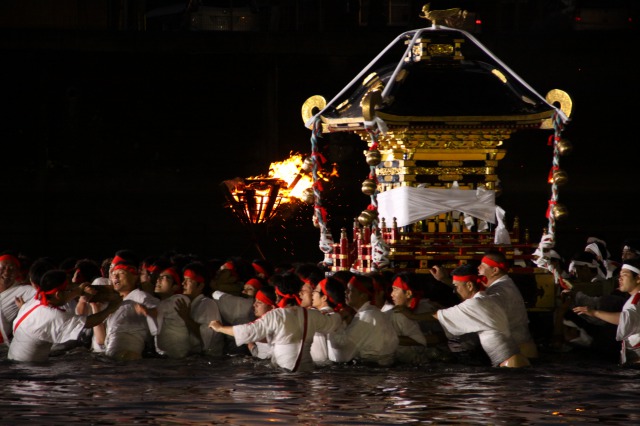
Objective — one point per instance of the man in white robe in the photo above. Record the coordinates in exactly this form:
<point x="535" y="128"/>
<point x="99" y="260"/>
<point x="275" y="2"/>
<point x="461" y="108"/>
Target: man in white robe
<point x="127" y="331"/>
<point x="628" y="321"/>
<point x="290" y="331"/>
<point x="494" y="267"/>
<point x="199" y="312"/>
<point x="42" y="321"/>
<point x="370" y="336"/>
<point x="482" y="314"/>
<point x="10" y="290"/>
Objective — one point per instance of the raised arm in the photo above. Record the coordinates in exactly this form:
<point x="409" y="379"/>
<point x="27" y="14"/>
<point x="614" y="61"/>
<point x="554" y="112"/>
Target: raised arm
<point x="610" y="317"/>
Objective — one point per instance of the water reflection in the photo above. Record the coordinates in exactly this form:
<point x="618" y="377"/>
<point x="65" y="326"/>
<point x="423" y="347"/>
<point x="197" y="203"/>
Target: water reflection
<point x="82" y="388"/>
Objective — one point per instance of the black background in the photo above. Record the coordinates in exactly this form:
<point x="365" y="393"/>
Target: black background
<point x="120" y="139"/>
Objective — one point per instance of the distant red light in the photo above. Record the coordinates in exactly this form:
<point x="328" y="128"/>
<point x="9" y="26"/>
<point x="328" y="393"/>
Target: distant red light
<point x="478" y="21"/>
<point x="578" y="19"/>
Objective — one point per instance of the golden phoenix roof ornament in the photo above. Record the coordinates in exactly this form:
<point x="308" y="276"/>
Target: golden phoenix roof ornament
<point x="437" y="16"/>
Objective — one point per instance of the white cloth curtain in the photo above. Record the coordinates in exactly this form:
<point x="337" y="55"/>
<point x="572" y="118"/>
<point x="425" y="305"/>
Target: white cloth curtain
<point x="410" y="204"/>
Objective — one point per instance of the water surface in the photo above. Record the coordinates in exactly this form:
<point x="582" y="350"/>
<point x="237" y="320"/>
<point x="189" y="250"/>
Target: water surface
<point x="82" y="388"/>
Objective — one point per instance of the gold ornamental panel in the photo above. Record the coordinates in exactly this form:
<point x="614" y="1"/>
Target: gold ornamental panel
<point x="404" y="171"/>
<point x="489" y="155"/>
<point x="451" y="139"/>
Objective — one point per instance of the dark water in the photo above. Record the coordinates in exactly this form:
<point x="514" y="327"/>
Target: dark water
<point x="80" y="388"/>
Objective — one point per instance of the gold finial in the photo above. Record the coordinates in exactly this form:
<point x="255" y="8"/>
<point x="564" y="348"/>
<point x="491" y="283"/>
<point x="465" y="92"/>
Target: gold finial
<point x="560" y="99"/>
<point x="436" y="16"/>
<point x="312" y="106"/>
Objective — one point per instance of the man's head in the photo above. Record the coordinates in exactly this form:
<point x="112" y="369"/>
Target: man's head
<point x="359" y="291"/>
<point x="85" y="271"/>
<point x="311" y="275"/>
<point x="585" y="266"/>
<point x="9" y="270"/>
<point x="195" y="280"/>
<point x="125" y="278"/>
<point x="631" y="249"/>
<point x="54" y="288"/>
<point x="494" y="265"/>
<point x="38" y="268"/>
<point x="329" y="292"/>
<point x="629" y="279"/>
<point x="252" y="286"/>
<point x="265" y="301"/>
<point x="466" y="281"/>
<point x="168" y="283"/>
<point x="287" y="289"/>
<point x="405" y="290"/>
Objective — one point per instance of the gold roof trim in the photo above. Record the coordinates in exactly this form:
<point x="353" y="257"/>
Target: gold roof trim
<point x="447" y="120"/>
<point x="528" y="118"/>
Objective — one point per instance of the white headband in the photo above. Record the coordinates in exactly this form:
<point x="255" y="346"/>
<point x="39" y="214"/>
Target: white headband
<point x="592" y="264"/>
<point x="631" y="268"/>
<point x="594" y="248"/>
<point x="628" y="248"/>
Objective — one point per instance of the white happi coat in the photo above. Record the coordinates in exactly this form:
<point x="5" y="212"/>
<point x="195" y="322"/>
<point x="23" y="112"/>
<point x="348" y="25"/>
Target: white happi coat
<point x="37" y="327"/>
<point x="319" y="346"/>
<point x="234" y="310"/>
<point x="628" y="331"/>
<point x="511" y="300"/>
<point x="9" y="309"/>
<point x="203" y="311"/>
<point x="407" y="354"/>
<point x="482" y="314"/>
<point x="406" y="327"/>
<point x="172" y="338"/>
<point x="127" y="331"/>
<point x="262" y="350"/>
<point x="370" y="337"/>
<point x="284" y="328"/>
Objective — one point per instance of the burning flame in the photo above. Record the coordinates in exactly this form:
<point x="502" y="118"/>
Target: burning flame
<point x="256" y="199"/>
<point x="291" y="171"/>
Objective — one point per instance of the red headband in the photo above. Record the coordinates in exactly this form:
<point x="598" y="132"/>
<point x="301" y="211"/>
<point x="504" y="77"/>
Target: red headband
<point x="361" y="287"/>
<point x="473" y="278"/>
<point x="174" y="274"/>
<point x="116" y="259"/>
<point x="494" y="264"/>
<point x="127" y="268"/>
<point x="465" y="278"/>
<point x="398" y="282"/>
<point x="260" y="270"/>
<point x="264" y="298"/>
<point x="230" y="266"/>
<point x="192" y="275"/>
<point x="149" y="267"/>
<point x="41" y="295"/>
<point x="10" y="258"/>
<point x="285" y="297"/>
<point x="255" y="283"/>
<point x="323" y="288"/>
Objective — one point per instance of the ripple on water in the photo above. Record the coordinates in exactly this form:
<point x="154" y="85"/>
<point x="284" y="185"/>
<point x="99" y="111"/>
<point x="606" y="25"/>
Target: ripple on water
<point x="84" y="388"/>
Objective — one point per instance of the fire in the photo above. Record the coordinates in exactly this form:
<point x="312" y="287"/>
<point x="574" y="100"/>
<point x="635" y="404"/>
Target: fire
<point x="291" y="171"/>
<point x="255" y="199"/>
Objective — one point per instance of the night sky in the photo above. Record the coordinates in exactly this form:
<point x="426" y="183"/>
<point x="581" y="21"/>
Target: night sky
<point x="117" y="141"/>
